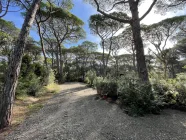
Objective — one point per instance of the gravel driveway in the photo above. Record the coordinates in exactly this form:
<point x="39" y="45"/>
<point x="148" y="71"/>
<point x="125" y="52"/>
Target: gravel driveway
<point x="76" y="115"/>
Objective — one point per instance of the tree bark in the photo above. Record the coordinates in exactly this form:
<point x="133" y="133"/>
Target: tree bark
<point x="57" y="61"/>
<point x="52" y="59"/>
<point x="103" y="59"/>
<point x="134" y="57"/>
<point x="61" y="66"/>
<point x="165" y="70"/>
<point x="7" y="98"/>
<point x="173" y="71"/>
<point x="41" y="42"/>
<point x="136" y="30"/>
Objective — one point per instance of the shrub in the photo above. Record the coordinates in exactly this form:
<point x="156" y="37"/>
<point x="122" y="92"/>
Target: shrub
<point x="137" y="98"/>
<point x="34" y="86"/>
<point x="33" y="76"/>
<point x="164" y="90"/>
<point x="53" y="88"/>
<point x="106" y="87"/>
<point x="41" y="71"/>
<point x="171" y="92"/>
<point x="90" y="77"/>
<point x="180" y="87"/>
<point x="28" y="85"/>
<point x="51" y="77"/>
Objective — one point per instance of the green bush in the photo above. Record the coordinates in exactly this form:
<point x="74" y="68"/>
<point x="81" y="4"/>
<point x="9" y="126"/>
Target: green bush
<point x="137" y="98"/>
<point x="164" y="90"/>
<point x="29" y="85"/>
<point x="51" y="77"/>
<point x="90" y="77"/>
<point x="33" y="76"/>
<point x="106" y="87"/>
<point x="171" y="92"/>
<point x="180" y="87"/>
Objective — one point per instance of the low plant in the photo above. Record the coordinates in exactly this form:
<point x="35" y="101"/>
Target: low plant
<point x="30" y="85"/>
<point x="180" y="87"/>
<point x="53" y="88"/>
<point x="137" y="98"/>
<point x="107" y="88"/>
<point x="90" y="77"/>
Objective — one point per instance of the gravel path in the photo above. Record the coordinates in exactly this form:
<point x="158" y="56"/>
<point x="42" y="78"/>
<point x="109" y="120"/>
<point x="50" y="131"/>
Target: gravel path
<point x="76" y="115"/>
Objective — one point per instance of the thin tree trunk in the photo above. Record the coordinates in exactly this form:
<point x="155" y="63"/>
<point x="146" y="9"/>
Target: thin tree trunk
<point x="136" y="30"/>
<point x="134" y="58"/>
<point x="165" y="70"/>
<point x="41" y="42"/>
<point x="117" y="68"/>
<point x="57" y="61"/>
<point x="61" y="66"/>
<point x="13" y="70"/>
<point x="52" y="59"/>
<point x="103" y="59"/>
<point x="173" y="71"/>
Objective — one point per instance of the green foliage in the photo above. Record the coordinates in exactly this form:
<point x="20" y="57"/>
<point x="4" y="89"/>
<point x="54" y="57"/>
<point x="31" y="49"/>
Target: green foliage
<point x="28" y="85"/>
<point x="33" y="76"/>
<point x="88" y="46"/>
<point x="136" y="98"/>
<point x="171" y="92"/>
<point x="51" y="77"/>
<point x="90" y="77"/>
<point x="106" y="87"/>
<point x="35" y="107"/>
<point x="180" y="87"/>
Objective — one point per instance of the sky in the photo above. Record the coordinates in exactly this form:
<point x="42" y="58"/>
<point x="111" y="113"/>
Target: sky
<point x="81" y="9"/>
<point x="84" y="11"/>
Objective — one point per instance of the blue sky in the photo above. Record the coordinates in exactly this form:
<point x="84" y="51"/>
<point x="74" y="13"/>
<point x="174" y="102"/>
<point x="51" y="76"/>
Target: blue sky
<point x="81" y="9"/>
<point x="84" y="11"/>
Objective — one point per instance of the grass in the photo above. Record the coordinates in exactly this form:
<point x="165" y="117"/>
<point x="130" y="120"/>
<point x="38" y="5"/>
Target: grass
<point x="53" y="88"/>
<point x="21" y="97"/>
<point x="34" y="107"/>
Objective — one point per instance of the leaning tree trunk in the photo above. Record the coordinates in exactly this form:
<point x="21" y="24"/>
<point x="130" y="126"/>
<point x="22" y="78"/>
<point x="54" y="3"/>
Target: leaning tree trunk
<point x="7" y="97"/>
<point x="136" y="30"/>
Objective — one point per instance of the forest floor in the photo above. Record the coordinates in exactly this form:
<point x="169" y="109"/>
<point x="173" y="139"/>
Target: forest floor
<point x="75" y="114"/>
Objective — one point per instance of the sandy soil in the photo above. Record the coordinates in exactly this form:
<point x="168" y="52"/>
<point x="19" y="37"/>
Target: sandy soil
<point x="76" y="115"/>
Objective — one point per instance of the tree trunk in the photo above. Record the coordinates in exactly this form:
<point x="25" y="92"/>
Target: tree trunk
<point x="117" y="68"/>
<point x="61" y="66"/>
<point x="13" y="70"/>
<point x="103" y="59"/>
<point x="165" y="70"/>
<point x="57" y="60"/>
<point x="134" y="57"/>
<point x="173" y="71"/>
<point x="136" y="30"/>
<point x="52" y="59"/>
<point x="41" y="42"/>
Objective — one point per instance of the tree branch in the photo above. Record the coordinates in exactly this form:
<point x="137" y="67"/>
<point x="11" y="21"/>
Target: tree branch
<point x="110" y="16"/>
<point x="7" y="6"/>
<point x="120" y="2"/>
<point x="148" y="11"/>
